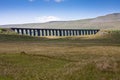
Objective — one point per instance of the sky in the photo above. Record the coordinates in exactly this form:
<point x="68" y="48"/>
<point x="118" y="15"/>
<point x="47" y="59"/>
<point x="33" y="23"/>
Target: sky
<point x="40" y="11"/>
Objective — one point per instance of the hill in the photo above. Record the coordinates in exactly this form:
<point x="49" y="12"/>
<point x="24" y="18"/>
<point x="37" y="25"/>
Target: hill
<point x="115" y="17"/>
<point x="110" y="21"/>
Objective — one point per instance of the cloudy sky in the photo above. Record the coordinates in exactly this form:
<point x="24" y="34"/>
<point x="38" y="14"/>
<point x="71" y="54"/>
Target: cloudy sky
<point x="34" y="11"/>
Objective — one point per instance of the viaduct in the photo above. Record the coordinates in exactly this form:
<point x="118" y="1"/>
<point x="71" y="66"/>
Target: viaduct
<point x="54" y="32"/>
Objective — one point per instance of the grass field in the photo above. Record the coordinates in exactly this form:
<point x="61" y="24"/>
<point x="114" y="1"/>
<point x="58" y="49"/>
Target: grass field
<point x="71" y="58"/>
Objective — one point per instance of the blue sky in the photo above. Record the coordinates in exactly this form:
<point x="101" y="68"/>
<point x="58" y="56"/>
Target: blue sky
<point x="34" y="11"/>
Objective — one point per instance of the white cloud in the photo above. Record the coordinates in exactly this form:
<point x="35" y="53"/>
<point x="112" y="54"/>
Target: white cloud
<point x="47" y="19"/>
<point x="58" y="1"/>
<point x="31" y="0"/>
<point x="47" y="0"/>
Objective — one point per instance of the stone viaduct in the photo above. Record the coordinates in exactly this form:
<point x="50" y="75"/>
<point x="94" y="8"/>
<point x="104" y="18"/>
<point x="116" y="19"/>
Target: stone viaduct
<point x="54" y="32"/>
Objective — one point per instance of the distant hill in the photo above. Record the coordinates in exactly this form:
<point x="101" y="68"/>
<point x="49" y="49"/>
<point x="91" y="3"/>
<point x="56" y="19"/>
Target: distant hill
<point x="108" y="18"/>
<point x="110" y="21"/>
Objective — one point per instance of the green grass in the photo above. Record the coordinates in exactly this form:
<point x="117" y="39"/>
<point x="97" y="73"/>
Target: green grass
<point x="76" y="58"/>
<point x="28" y="67"/>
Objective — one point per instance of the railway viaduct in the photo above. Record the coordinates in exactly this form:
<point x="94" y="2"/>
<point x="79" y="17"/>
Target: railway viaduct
<point x="54" y="32"/>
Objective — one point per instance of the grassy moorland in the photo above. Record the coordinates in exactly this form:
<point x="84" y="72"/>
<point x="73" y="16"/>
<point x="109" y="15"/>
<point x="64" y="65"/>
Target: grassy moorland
<point x="71" y="58"/>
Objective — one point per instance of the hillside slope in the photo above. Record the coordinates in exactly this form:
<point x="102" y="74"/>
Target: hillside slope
<point x="110" y="21"/>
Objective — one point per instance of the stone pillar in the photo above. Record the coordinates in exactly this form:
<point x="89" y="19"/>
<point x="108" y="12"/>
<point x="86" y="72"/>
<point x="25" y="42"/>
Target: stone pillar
<point x="16" y="30"/>
<point x="47" y="32"/>
<point x="71" y="32"/>
<point x="65" y="32"/>
<point x="68" y="31"/>
<point x="87" y="32"/>
<point x="36" y="32"/>
<point x="40" y="32"/>
<point x="44" y="32"/>
<point x="84" y="32"/>
<point x="58" y="32"/>
<point x="81" y="32"/>
<point x="24" y="32"/>
<point x="32" y="32"/>
<point x="90" y="32"/>
<point x="95" y="31"/>
<point x="20" y="31"/>
<point x="62" y="33"/>
<point x="78" y="33"/>
<point x="28" y="32"/>
<point x="54" y="32"/>
<point x="74" y="33"/>
<point x="51" y="32"/>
